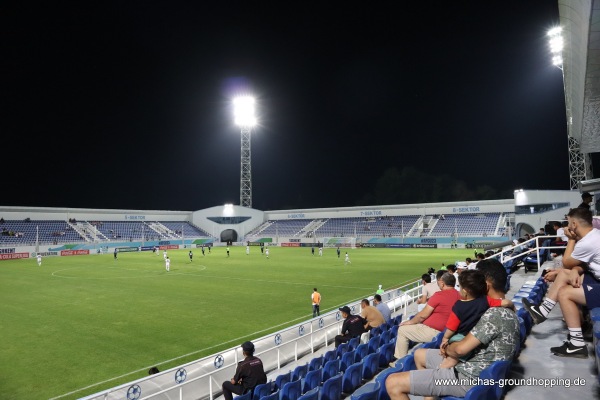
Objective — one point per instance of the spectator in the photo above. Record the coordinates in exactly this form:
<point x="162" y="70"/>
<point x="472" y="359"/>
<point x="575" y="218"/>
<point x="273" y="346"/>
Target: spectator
<point x="424" y="326"/>
<point x="372" y="316"/>
<point x="429" y="288"/>
<point x="493" y="338"/>
<point x="249" y="373"/>
<point x="353" y="326"/>
<point x="454" y="271"/>
<point x="383" y="308"/>
<point x="576" y="284"/>
<point x="586" y="201"/>
<point x="316" y="302"/>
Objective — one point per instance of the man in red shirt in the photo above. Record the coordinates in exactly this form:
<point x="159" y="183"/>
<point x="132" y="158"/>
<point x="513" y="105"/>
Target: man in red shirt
<point x="430" y="321"/>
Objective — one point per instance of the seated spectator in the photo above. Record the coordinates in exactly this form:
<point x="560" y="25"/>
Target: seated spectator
<point x="467" y="311"/>
<point x="353" y="326"/>
<point x="493" y="338"/>
<point x="372" y="316"/>
<point x="430" y="321"/>
<point x="248" y="373"/>
<point x="576" y="284"/>
<point x="429" y="288"/>
<point x="383" y="308"/>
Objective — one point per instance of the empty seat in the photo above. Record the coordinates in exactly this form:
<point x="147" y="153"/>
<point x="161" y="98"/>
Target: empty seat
<point x="373" y="344"/>
<point x="361" y="352"/>
<point x="261" y="390"/>
<point x="312" y="380"/>
<point x="332" y="388"/>
<point x="369" y="391"/>
<point x="330" y="369"/>
<point x="282" y="379"/>
<point x="386" y="353"/>
<point x="245" y="396"/>
<point x="291" y="390"/>
<point x="312" y="394"/>
<point x="352" y="378"/>
<point x="315" y="363"/>
<point x="347" y="360"/>
<point x="299" y="372"/>
<point x="370" y="366"/>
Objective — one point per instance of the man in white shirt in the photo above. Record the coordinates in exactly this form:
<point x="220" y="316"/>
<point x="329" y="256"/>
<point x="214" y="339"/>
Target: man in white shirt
<point x="168" y="264"/>
<point x="576" y="284"/>
<point x="429" y="288"/>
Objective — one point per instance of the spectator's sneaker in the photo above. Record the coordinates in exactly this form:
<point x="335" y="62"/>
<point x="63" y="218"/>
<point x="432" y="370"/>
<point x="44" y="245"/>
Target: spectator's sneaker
<point x="534" y="311"/>
<point x="568" y="350"/>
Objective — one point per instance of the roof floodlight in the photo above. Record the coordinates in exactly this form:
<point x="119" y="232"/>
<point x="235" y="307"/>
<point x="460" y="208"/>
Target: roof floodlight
<point x="556" y="44"/>
<point x="244" y="111"/>
<point x="555" y="31"/>
<point x="557" y="60"/>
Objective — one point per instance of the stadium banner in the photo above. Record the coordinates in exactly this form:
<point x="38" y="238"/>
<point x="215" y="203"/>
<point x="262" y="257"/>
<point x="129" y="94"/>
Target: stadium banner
<point x="376" y="245"/>
<point x="399" y="246"/>
<point x="424" y="245"/>
<point x="255" y="244"/>
<point x="76" y="252"/>
<point x="290" y="244"/>
<point x="127" y="249"/>
<point x="13" y="256"/>
<point x="45" y="254"/>
<point x="8" y="250"/>
<point x="168" y="246"/>
<point x="147" y="248"/>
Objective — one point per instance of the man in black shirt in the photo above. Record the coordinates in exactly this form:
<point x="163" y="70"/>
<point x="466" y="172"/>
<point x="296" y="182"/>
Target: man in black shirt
<point x="353" y="326"/>
<point x="586" y="200"/>
<point x="248" y="374"/>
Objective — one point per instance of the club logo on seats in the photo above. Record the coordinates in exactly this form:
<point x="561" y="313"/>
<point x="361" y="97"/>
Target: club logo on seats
<point x="278" y="339"/>
<point x="180" y="375"/>
<point x="134" y="392"/>
<point x="219" y="361"/>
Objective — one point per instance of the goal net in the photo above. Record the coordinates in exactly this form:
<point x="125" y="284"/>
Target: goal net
<point x="339" y="242"/>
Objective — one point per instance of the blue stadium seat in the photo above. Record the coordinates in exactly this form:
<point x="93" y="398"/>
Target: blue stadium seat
<point x="376" y="331"/>
<point x="312" y="394"/>
<point x="353" y="343"/>
<point x="386" y="353"/>
<point x="347" y="360"/>
<point x="361" y="352"/>
<point x="386" y="336"/>
<point x="272" y="396"/>
<point x="329" y="355"/>
<point x="373" y="344"/>
<point x="352" y="378"/>
<point x="330" y="369"/>
<point x="299" y="372"/>
<point x="397" y="320"/>
<point x="332" y="388"/>
<point x="370" y="366"/>
<point x="312" y="380"/>
<point x="315" y="363"/>
<point x="369" y="391"/>
<point x="291" y="390"/>
<point x="282" y="379"/>
<point x="261" y="390"/>
<point x="245" y="396"/>
<point x="342" y="348"/>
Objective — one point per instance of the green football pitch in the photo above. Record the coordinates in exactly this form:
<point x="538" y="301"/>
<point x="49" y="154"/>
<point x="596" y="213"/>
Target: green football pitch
<point x="78" y="325"/>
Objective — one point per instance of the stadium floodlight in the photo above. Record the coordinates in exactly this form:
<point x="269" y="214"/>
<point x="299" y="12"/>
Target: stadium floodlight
<point x="244" y="111"/>
<point x="245" y="119"/>
<point x="556" y="46"/>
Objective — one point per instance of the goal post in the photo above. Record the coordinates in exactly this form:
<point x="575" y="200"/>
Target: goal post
<point x="332" y="242"/>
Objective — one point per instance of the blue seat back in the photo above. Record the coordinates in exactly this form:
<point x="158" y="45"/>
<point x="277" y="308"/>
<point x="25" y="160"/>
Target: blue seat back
<point x="352" y="378"/>
<point x="332" y="388"/>
<point x="330" y="355"/>
<point x="282" y="379"/>
<point x="352" y="343"/>
<point x="272" y="396"/>
<point x="312" y="394"/>
<point x="397" y="319"/>
<point x="291" y="390"/>
<point x="370" y="366"/>
<point x="369" y="391"/>
<point x="312" y="380"/>
<point x="330" y="369"/>
<point x="262" y="389"/>
<point x="497" y="370"/>
<point x="374" y="344"/>
<point x="245" y="396"/>
<point x="342" y="348"/>
<point x="315" y="363"/>
<point x="361" y="352"/>
<point x="386" y="352"/>
<point x="394" y="332"/>
<point x="347" y="360"/>
<point x="386" y="336"/>
<point x="299" y="372"/>
<point x="376" y="331"/>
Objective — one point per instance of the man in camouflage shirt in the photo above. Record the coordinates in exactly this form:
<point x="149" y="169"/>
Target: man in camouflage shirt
<point x="494" y="338"/>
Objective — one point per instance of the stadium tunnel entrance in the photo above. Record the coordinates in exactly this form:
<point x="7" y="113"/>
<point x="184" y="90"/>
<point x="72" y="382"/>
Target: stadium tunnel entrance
<point x="229" y="235"/>
<point x="522" y="228"/>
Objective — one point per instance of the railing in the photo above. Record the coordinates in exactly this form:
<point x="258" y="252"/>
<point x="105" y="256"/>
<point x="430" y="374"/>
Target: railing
<point x="202" y="379"/>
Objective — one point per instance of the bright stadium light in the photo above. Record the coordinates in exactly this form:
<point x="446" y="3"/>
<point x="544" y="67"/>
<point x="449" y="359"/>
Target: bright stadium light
<point x="556" y="46"/>
<point x="245" y="119"/>
<point x="244" y="111"/>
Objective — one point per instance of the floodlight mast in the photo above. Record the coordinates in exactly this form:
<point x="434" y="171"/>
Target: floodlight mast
<point x="244" y="118"/>
<point x="580" y="164"/>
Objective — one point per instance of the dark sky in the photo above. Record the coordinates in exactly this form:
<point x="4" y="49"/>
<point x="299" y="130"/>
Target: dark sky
<point x="127" y="104"/>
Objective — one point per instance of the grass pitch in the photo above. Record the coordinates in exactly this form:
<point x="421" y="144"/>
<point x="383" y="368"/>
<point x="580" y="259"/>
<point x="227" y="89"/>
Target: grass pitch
<point x="78" y="325"/>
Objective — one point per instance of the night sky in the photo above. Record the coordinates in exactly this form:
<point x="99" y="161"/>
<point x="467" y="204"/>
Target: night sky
<point x="127" y="104"/>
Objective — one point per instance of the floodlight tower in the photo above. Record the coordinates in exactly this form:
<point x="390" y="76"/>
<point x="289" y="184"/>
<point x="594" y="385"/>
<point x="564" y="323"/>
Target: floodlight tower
<point x="244" y="118"/>
<point x="580" y="164"/>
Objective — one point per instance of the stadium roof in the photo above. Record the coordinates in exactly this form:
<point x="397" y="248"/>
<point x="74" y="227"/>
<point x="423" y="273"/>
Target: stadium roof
<point x="580" y="22"/>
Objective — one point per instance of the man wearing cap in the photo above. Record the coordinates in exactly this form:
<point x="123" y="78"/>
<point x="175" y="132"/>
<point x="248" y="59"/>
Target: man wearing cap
<point x="248" y="374"/>
<point x="352" y="327"/>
